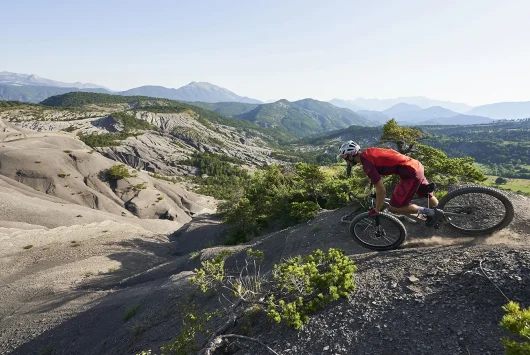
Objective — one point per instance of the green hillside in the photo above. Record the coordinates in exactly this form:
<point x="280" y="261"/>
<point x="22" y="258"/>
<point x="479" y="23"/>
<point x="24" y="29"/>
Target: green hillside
<point x="230" y="109"/>
<point x="303" y="118"/>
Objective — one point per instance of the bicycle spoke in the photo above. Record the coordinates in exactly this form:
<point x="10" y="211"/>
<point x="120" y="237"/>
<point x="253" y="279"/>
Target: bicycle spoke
<point x="475" y="211"/>
<point x="367" y="231"/>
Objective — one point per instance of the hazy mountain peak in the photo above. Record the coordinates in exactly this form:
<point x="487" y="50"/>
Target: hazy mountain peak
<point x="400" y="108"/>
<point x="376" y="104"/>
<point x="10" y="78"/>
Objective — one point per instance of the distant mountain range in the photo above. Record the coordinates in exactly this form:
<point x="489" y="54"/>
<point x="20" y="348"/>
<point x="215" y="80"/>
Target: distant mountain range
<point x="383" y="104"/>
<point x="31" y="79"/>
<point x="407" y="110"/>
<point x="31" y="88"/>
<point x="203" y="92"/>
<point x="503" y="110"/>
<point x="435" y="115"/>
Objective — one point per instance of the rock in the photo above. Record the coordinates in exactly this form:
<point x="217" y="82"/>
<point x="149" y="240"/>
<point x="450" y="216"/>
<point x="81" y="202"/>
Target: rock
<point x="413" y="279"/>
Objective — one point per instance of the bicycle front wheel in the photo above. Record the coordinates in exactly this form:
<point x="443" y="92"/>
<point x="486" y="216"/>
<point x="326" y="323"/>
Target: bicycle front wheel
<point x="390" y="233"/>
<point x="477" y="210"/>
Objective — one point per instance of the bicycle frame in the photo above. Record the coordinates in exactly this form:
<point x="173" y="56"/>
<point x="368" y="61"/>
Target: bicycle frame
<point x="407" y="216"/>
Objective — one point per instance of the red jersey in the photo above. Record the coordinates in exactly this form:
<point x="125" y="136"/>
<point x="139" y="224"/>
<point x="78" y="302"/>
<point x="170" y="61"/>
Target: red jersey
<point x="381" y="161"/>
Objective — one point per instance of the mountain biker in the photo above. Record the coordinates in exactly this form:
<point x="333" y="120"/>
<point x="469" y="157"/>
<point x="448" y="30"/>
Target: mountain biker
<point x="381" y="161"/>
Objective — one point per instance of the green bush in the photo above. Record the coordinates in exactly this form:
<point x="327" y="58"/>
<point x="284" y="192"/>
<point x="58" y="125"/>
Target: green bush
<point x="309" y="283"/>
<point x="501" y="180"/>
<point x="104" y="139"/>
<point x="118" y="172"/>
<point x="298" y="287"/>
<point x="302" y="211"/>
<point x="131" y="123"/>
<point x="517" y="322"/>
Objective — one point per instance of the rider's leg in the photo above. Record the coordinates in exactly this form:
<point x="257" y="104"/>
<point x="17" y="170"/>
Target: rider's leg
<point x="409" y="209"/>
<point x="403" y="194"/>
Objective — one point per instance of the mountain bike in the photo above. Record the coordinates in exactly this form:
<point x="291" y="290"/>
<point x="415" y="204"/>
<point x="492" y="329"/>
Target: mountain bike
<point x="472" y="210"/>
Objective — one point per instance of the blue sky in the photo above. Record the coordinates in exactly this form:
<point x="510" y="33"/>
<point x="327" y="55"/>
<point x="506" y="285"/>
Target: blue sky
<point x="468" y="51"/>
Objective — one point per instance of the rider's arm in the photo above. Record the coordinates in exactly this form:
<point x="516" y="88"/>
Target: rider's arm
<point x="371" y="171"/>
<point x="380" y="193"/>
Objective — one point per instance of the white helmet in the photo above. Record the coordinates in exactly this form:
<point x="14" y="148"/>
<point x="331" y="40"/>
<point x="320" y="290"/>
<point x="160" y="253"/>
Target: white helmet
<point x="348" y="148"/>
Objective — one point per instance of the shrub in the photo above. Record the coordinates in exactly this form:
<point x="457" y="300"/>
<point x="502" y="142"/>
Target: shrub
<point x="501" y="180"/>
<point x="194" y="324"/>
<point x="302" y="211"/>
<point x="298" y="287"/>
<point x="517" y="322"/>
<point x="308" y="284"/>
<point x="104" y="139"/>
<point x="118" y="172"/>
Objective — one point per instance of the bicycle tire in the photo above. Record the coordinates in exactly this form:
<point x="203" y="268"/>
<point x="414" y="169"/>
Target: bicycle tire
<point x="385" y="217"/>
<point x="502" y="198"/>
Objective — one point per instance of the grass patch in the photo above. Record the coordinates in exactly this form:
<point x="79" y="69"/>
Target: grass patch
<point x="68" y="151"/>
<point x="69" y="129"/>
<point x="28" y="246"/>
<point x="514" y="185"/>
<point x="131" y="312"/>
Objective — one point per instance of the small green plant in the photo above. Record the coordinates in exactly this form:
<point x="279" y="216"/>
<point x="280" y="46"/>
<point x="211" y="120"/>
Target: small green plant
<point x="68" y="151"/>
<point x="160" y="198"/>
<point x="29" y="246"/>
<point x="517" y="322"/>
<point x="315" y="229"/>
<point x="131" y="312"/>
<point x="69" y="129"/>
<point x="194" y="255"/>
<point x="194" y="324"/>
<point x="118" y="172"/>
<point x="63" y="175"/>
<point x="141" y="186"/>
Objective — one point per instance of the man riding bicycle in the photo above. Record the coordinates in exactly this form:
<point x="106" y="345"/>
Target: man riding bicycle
<point x="381" y="161"/>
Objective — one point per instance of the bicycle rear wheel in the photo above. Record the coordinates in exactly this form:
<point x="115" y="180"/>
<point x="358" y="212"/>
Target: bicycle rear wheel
<point x="477" y="210"/>
<point x="390" y="233"/>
